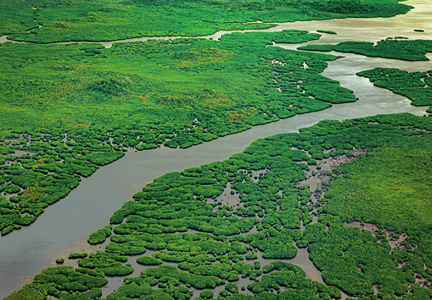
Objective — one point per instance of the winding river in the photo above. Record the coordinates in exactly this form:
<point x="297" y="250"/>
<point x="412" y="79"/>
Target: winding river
<point x="65" y="226"/>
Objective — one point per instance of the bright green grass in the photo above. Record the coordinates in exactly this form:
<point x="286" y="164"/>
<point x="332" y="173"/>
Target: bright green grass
<point x="90" y="20"/>
<point x="375" y="188"/>
<point x="145" y="83"/>
<point x="141" y="95"/>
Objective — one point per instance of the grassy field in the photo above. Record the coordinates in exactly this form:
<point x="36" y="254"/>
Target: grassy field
<point x="76" y="107"/>
<point x="106" y="20"/>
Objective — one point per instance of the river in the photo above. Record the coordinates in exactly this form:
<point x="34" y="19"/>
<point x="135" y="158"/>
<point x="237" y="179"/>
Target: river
<point x="64" y="226"/>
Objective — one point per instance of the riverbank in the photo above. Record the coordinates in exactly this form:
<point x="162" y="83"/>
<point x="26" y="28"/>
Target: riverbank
<point x="279" y="204"/>
<point x="113" y="184"/>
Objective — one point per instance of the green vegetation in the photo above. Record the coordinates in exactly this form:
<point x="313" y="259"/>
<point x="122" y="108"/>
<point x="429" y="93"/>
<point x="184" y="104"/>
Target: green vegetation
<point x="73" y="108"/>
<point x="60" y="260"/>
<point x="416" y="86"/>
<point x="102" y="20"/>
<point x="99" y="236"/>
<point x="327" y="31"/>
<point x="387" y="186"/>
<point x="63" y="282"/>
<point x="180" y="219"/>
<point x="107" y="264"/>
<point x="411" y="50"/>
<point x="149" y="260"/>
<point x="68" y="109"/>
<point x="78" y="255"/>
<point x="61" y="87"/>
<point x="46" y="171"/>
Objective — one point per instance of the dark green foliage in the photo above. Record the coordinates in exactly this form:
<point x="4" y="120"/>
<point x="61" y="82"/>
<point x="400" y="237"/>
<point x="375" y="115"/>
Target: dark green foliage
<point x="87" y="105"/>
<point x="360" y="262"/>
<point x="109" y="87"/>
<point x="172" y="273"/>
<point x="112" y="19"/>
<point x="78" y="255"/>
<point x="30" y="291"/>
<point x="59" y="282"/>
<point x="148" y="260"/>
<point x="231" y="287"/>
<point x="413" y="85"/>
<point x="206" y="294"/>
<point x="45" y="173"/>
<point x="290" y="276"/>
<point x="411" y="50"/>
<point x="99" y="236"/>
<point x="273" y="244"/>
<point x="145" y="290"/>
<point x="401" y="157"/>
<point x="350" y="259"/>
<point x="109" y="263"/>
<point x="327" y="31"/>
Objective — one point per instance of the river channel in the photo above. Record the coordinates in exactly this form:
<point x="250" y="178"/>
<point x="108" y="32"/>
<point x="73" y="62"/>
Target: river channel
<point x="64" y="227"/>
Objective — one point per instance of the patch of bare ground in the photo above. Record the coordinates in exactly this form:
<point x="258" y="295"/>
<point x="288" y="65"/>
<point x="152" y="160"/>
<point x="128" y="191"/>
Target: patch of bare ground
<point x="395" y="240"/>
<point x="376" y="289"/>
<point x="322" y="172"/>
<point x="228" y="197"/>
<point x="421" y="282"/>
<point x="419" y="130"/>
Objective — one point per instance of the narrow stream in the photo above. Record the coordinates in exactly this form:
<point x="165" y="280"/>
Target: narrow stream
<point x="64" y="227"/>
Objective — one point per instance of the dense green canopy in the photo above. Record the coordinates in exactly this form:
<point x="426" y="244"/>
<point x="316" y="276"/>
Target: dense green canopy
<point x="107" y="20"/>
<point x="73" y="108"/>
<point x="189" y="240"/>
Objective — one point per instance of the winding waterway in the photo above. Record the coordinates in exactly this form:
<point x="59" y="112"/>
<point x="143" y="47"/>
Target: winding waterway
<point x="64" y="227"/>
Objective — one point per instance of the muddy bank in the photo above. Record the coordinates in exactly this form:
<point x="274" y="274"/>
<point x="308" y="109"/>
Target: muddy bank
<point x="322" y="172"/>
<point x="395" y="240"/>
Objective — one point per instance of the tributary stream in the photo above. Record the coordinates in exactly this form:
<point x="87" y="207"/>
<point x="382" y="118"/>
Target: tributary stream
<point x="64" y="227"/>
